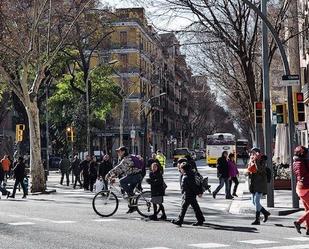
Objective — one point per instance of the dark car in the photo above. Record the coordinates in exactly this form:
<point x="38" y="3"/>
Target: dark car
<point x="54" y="162"/>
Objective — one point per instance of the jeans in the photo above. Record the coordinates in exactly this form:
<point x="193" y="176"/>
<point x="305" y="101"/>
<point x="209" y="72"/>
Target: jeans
<point x="77" y="180"/>
<point x="21" y="182"/>
<point x="222" y="181"/>
<point x="128" y="183"/>
<point x="67" y="177"/>
<point x="256" y="200"/>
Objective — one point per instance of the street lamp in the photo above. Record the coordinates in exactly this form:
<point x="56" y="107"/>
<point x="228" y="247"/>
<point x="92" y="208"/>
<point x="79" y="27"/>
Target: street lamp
<point x="147" y="104"/>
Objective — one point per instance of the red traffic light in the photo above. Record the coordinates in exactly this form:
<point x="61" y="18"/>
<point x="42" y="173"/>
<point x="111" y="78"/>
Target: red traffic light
<point x="299" y="97"/>
<point x="259" y="105"/>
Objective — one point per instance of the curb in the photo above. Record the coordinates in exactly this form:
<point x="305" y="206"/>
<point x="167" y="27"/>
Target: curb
<point x="45" y="192"/>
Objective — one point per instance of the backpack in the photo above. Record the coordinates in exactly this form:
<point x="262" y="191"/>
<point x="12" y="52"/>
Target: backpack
<point x="268" y="174"/>
<point x="139" y="164"/>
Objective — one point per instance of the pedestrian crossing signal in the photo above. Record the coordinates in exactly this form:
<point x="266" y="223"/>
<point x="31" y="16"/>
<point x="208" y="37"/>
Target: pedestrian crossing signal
<point x="20" y="132"/>
<point x="299" y="107"/>
<point x="258" y="111"/>
<point x="281" y="113"/>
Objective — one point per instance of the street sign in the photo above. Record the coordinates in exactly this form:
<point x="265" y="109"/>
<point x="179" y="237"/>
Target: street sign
<point x="132" y="134"/>
<point x="290" y="80"/>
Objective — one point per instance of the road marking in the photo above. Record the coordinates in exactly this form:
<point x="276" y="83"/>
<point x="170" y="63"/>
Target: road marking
<point x="299" y="239"/>
<point x="62" y="221"/>
<point x="104" y="220"/>
<point x="21" y="223"/>
<point x="208" y="245"/>
<point x="288" y="247"/>
<point x="157" y="248"/>
<point x="257" y="241"/>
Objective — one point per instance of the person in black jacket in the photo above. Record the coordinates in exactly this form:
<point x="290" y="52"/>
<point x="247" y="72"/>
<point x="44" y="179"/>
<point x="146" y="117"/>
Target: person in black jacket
<point x="84" y="166"/>
<point x="189" y="192"/>
<point x="75" y="167"/>
<point x="19" y="172"/>
<point x="104" y="167"/>
<point x="157" y="186"/>
<point x="191" y="161"/>
<point x="223" y="175"/>
<point x="93" y="172"/>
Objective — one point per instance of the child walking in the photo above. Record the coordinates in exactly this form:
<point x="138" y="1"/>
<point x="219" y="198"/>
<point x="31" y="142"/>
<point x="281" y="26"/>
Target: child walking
<point x="189" y="192"/>
<point x="157" y="191"/>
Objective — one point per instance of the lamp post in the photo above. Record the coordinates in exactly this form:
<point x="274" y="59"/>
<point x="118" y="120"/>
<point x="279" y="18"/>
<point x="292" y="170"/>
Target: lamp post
<point x="145" y="117"/>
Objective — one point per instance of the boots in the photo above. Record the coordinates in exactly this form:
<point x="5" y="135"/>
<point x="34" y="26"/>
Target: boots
<point x="257" y="219"/>
<point x="265" y="213"/>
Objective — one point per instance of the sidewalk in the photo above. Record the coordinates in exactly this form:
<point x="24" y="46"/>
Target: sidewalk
<point x="282" y="199"/>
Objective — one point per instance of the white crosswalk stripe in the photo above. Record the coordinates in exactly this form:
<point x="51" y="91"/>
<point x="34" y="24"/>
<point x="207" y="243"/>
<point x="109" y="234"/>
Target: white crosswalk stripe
<point x="104" y="220"/>
<point x="208" y="245"/>
<point x="21" y="223"/>
<point x="289" y="247"/>
<point x="257" y="242"/>
<point x="157" y="248"/>
<point x="299" y="239"/>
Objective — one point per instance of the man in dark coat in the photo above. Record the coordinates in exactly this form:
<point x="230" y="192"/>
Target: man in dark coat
<point x="93" y="172"/>
<point x="19" y="172"/>
<point x="84" y="166"/>
<point x="104" y="167"/>
<point x="76" y="171"/>
<point x="64" y="167"/>
<point x="223" y="175"/>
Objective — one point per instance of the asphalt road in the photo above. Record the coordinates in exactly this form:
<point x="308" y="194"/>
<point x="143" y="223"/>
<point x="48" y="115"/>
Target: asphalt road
<point x="66" y="220"/>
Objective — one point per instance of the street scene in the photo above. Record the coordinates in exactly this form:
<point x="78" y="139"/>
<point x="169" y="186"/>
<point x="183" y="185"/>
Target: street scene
<point x="154" y="124"/>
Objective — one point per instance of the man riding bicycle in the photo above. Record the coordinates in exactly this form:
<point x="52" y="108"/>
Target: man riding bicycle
<point x="131" y="175"/>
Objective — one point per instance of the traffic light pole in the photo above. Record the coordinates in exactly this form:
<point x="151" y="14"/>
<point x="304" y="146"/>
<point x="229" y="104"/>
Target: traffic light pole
<point x="266" y="99"/>
<point x="292" y="140"/>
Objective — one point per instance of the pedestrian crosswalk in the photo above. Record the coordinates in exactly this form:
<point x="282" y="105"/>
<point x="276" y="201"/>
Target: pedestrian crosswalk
<point x="256" y="242"/>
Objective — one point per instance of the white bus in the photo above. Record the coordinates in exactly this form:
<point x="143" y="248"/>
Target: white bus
<point x="216" y="144"/>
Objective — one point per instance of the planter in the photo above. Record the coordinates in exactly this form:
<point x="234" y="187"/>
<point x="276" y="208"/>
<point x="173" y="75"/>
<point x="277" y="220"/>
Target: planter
<point x="282" y="184"/>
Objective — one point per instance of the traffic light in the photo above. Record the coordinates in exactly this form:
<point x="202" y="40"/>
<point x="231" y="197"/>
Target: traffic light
<point x="19" y="132"/>
<point x="70" y="134"/>
<point x="281" y="114"/>
<point x="258" y="111"/>
<point x="299" y="107"/>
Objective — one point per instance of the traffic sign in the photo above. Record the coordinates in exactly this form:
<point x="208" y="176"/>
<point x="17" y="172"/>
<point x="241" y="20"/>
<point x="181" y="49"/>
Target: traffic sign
<point x="290" y="80"/>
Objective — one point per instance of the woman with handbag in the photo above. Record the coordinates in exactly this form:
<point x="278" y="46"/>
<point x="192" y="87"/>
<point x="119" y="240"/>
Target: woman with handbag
<point x="301" y="171"/>
<point x="258" y="183"/>
<point x="158" y="187"/>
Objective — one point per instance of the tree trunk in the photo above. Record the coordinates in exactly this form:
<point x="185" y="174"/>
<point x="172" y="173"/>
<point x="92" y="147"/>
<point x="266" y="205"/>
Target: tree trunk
<point x="36" y="166"/>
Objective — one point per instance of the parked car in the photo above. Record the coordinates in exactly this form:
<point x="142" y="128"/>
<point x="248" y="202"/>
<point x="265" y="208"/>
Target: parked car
<point x="193" y="154"/>
<point x="54" y="162"/>
<point x="199" y="154"/>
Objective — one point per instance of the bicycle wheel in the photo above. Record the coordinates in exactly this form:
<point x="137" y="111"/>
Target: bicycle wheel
<point x="144" y="205"/>
<point x="105" y="203"/>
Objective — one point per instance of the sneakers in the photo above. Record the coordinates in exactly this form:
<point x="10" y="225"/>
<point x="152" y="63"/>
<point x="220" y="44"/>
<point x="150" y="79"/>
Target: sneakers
<point x="199" y="223"/>
<point x="235" y="195"/>
<point x="214" y="195"/>
<point x="131" y="210"/>
<point x="163" y="217"/>
<point x="153" y="217"/>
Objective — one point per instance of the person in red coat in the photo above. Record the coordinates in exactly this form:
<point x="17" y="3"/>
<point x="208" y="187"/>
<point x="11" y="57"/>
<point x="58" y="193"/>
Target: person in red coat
<point x="301" y="171"/>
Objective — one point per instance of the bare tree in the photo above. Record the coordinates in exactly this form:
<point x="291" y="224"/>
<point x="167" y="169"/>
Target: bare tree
<point x="29" y="45"/>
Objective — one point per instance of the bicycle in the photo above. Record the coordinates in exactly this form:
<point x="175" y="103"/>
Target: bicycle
<point x="105" y="203"/>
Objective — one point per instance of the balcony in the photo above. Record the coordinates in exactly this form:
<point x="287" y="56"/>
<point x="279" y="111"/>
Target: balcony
<point x="305" y="91"/>
<point x="128" y="45"/>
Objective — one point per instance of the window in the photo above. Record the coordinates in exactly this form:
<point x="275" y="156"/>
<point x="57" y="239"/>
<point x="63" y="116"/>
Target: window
<point x="123" y="38"/>
<point x="124" y="60"/>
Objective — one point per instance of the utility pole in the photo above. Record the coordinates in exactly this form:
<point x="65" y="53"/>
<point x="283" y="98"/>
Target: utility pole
<point x="267" y="105"/>
<point x="294" y="59"/>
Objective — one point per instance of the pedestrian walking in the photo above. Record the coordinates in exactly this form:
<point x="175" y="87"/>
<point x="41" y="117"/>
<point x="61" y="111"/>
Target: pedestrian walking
<point x="189" y="190"/>
<point x="143" y="172"/>
<point x="19" y="172"/>
<point x="2" y="187"/>
<point x="93" y="172"/>
<point x="64" y="167"/>
<point x="75" y="168"/>
<point x="157" y="186"/>
<point x="104" y="167"/>
<point x="162" y="160"/>
<point x="301" y="171"/>
<point x="6" y="166"/>
<point x="258" y="183"/>
<point x="233" y="173"/>
<point x="223" y="175"/>
<point x="84" y="166"/>
<point x="192" y="163"/>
